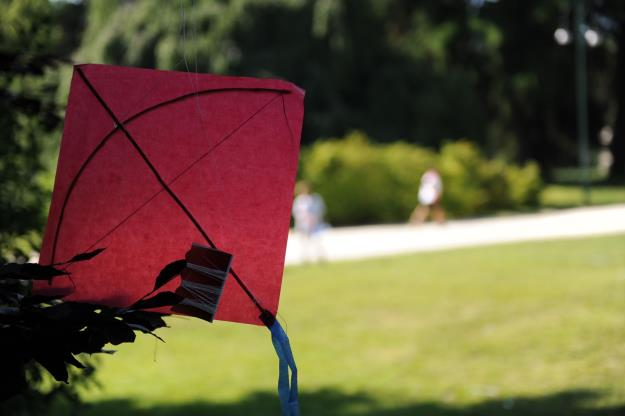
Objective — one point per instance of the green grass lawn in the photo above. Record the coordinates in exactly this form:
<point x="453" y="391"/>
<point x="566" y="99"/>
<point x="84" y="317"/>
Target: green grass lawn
<point x="567" y="196"/>
<point x="524" y="329"/>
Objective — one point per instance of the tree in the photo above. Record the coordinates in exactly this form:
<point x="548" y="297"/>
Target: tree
<point x="50" y="332"/>
<point x="36" y="39"/>
<point x="342" y="52"/>
<point x="424" y="71"/>
<point x="32" y="46"/>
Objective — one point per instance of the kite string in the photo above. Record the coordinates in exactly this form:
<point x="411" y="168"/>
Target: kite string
<point x="195" y="85"/>
<point x="148" y="91"/>
<point x="164" y="185"/>
<point x="183" y="33"/>
<point x="155" y="350"/>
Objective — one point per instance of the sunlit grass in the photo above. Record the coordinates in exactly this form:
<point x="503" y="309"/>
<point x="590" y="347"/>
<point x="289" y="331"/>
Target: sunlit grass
<point x="566" y="196"/>
<point x="530" y="328"/>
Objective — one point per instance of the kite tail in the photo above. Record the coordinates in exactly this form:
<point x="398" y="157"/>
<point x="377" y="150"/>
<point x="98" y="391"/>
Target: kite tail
<point x="287" y="389"/>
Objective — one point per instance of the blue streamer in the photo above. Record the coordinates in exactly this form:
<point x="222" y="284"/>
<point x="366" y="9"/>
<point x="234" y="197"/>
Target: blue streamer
<point x="286" y="392"/>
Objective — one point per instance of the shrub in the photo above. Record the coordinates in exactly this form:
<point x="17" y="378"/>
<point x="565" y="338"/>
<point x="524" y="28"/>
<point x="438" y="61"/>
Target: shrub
<point x="363" y="182"/>
<point x="464" y="177"/>
<point x="474" y="185"/>
<point x="525" y="184"/>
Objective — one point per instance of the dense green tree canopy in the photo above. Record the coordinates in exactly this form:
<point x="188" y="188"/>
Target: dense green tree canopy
<point x="32" y="46"/>
<point x="419" y="71"/>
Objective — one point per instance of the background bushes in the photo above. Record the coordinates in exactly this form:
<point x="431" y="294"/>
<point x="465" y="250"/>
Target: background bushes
<point x="363" y="182"/>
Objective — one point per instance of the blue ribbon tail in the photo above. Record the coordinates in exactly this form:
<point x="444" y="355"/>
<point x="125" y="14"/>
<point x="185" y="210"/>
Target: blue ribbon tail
<point x="287" y="390"/>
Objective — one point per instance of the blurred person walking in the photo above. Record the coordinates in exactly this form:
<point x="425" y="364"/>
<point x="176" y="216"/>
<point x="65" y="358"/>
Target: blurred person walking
<point x="430" y="193"/>
<point x="308" y="212"/>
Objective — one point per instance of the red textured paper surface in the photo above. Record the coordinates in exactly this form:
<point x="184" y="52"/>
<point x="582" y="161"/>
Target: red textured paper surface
<point x="229" y="152"/>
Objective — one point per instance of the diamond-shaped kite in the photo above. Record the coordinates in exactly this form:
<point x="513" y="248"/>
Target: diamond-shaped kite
<point x="188" y="171"/>
<point x="153" y="161"/>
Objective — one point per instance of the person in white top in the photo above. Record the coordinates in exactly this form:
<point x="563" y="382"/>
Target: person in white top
<point x="308" y="211"/>
<point x="430" y="193"/>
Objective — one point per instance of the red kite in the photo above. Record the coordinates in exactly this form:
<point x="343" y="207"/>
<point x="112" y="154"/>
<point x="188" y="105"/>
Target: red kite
<point x="154" y="161"/>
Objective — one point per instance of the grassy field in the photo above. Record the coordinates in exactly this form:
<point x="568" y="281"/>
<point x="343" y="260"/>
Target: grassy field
<point x="525" y="329"/>
<point x="567" y="196"/>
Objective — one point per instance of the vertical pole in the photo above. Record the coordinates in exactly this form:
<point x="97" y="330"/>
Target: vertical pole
<point x="582" y="100"/>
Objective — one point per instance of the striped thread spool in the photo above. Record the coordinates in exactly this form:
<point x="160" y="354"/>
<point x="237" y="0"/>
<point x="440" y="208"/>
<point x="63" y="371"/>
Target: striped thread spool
<point x="203" y="281"/>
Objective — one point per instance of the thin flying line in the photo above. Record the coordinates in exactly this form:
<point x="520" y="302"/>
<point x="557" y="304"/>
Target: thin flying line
<point x="183" y="23"/>
<point x="149" y="91"/>
<point x="195" y="86"/>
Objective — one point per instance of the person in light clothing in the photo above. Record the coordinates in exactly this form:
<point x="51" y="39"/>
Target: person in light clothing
<point x="308" y="212"/>
<point x="430" y="193"/>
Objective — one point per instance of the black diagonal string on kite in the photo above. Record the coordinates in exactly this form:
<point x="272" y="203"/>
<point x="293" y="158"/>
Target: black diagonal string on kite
<point x="195" y="86"/>
<point x="164" y="185"/>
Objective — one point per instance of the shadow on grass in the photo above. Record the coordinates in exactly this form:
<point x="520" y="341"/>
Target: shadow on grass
<point x="333" y="402"/>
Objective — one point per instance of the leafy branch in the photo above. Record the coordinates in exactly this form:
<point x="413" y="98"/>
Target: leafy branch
<point x="52" y="332"/>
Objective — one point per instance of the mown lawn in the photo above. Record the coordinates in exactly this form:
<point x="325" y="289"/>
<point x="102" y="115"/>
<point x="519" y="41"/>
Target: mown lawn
<point x="567" y="196"/>
<point x="524" y="329"/>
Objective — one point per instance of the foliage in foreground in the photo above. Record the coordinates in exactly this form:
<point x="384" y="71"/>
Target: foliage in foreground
<point x="364" y="182"/>
<point x="46" y="330"/>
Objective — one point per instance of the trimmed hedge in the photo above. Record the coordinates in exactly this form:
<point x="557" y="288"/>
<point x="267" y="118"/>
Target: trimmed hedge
<point x="363" y="182"/>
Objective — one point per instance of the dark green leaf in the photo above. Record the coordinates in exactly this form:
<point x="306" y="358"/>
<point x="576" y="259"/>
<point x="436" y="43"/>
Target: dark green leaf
<point x="149" y="320"/>
<point x="115" y="330"/>
<point x="145" y="330"/>
<point x="70" y="312"/>
<point x="70" y="359"/>
<point x="88" y="341"/>
<point x="29" y="271"/>
<point x="85" y="256"/>
<point x="159" y="300"/>
<point x="10" y="298"/>
<point x="37" y="299"/>
<point x="170" y="271"/>
<point x="12" y="377"/>
<point x="54" y="362"/>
